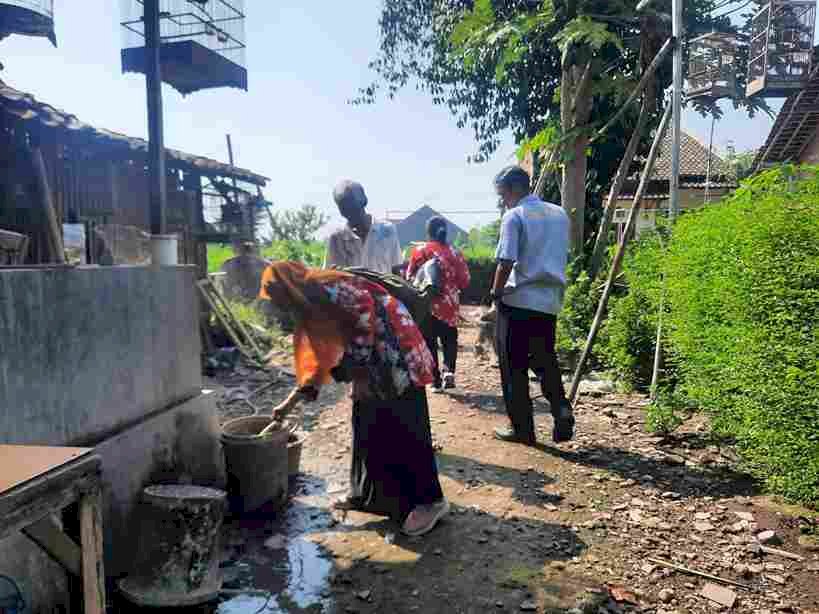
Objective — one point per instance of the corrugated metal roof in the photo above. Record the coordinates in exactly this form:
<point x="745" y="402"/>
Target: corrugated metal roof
<point x="27" y="108"/>
<point x="795" y="126"/>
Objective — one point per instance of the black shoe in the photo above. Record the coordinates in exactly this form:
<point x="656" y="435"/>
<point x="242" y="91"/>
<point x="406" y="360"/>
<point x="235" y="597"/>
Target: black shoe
<point x="509" y="436"/>
<point x="564" y="423"/>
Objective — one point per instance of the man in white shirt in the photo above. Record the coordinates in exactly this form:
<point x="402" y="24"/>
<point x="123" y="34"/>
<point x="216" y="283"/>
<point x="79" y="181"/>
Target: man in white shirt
<point x="364" y="242"/>
<point x="528" y="290"/>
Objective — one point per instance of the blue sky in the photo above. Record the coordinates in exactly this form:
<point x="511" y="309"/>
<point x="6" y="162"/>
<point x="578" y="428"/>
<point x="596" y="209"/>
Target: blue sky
<point x="305" y="60"/>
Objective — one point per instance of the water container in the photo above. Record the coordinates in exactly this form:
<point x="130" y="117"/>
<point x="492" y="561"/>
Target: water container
<point x="11" y="599"/>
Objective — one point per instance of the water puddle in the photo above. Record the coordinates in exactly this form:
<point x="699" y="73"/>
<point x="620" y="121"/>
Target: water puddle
<point x="277" y="556"/>
<point x="270" y="564"/>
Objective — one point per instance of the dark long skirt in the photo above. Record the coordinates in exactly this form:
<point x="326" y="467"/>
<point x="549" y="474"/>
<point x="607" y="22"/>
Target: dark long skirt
<point x="393" y="467"/>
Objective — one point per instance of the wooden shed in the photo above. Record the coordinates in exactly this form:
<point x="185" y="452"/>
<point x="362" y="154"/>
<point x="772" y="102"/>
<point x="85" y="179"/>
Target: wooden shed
<point x="98" y="179"/>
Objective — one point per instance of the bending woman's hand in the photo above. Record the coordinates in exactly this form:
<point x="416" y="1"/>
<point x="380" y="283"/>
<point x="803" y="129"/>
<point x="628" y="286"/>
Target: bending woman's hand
<point x="307" y="393"/>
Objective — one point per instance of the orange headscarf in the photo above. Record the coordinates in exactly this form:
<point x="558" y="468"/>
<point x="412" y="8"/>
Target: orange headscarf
<point x="323" y="328"/>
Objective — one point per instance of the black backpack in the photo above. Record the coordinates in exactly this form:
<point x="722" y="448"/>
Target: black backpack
<point x="418" y="302"/>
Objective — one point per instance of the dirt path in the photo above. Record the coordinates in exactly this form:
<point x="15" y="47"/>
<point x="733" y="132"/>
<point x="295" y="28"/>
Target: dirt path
<point x="541" y="530"/>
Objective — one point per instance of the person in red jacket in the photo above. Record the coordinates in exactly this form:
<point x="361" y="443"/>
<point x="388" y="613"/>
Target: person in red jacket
<point x="446" y="307"/>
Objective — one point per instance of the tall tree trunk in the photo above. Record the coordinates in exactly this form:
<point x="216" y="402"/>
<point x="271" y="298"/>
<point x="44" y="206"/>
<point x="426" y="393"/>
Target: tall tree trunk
<point x="575" y="108"/>
<point x="573" y="191"/>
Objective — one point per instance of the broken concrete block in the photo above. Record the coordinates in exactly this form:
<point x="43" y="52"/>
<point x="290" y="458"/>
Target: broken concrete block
<point x="719" y="594"/>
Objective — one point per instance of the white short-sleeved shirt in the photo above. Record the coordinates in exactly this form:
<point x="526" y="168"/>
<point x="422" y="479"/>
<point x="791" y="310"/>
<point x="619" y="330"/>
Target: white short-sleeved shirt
<point x="535" y="236"/>
<point x="380" y="252"/>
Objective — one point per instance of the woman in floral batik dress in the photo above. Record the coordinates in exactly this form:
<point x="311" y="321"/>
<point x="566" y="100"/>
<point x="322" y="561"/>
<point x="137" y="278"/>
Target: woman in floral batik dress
<point x="351" y="330"/>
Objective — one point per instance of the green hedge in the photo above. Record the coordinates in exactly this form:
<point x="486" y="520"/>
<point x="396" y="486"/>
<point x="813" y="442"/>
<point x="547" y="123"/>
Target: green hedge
<point x="628" y="336"/>
<point x="742" y="293"/>
<point x="482" y="275"/>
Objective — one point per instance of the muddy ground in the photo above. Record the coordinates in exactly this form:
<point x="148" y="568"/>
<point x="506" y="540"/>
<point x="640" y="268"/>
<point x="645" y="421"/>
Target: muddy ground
<point x="583" y="526"/>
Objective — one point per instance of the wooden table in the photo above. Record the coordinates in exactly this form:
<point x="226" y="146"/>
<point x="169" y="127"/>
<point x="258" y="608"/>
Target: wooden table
<point x="36" y="483"/>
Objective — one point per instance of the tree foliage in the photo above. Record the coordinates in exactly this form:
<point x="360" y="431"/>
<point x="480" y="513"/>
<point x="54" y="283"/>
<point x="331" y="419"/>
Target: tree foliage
<point x="299" y="225"/>
<point x="498" y="66"/>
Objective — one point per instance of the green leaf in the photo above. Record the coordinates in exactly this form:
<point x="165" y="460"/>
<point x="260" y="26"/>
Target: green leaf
<point x="585" y="31"/>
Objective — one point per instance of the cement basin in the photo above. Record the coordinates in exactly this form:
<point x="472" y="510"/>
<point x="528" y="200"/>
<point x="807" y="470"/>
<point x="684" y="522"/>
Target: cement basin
<point x="177" y="564"/>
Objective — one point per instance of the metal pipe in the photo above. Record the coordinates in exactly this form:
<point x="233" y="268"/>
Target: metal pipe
<point x="674" y="183"/>
<point x="156" y="141"/>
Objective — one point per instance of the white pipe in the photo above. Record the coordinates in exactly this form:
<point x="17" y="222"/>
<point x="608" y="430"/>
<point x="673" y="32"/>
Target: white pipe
<point x="674" y="182"/>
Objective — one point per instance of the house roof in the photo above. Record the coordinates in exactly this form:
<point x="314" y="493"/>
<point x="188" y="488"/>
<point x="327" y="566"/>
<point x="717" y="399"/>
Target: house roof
<point x="414" y="227"/>
<point x="693" y="160"/>
<point x="27" y="108"/>
<point x="693" y="169"/>
<point x="795" y="126"/>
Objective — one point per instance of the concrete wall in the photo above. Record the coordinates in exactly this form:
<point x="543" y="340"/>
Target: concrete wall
<point x="180" y="445"/>
<point x="105" y="357"/>
<point x="85" y="352"/>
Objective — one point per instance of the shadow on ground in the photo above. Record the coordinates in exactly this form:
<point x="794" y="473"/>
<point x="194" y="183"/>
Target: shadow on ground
<point x="667" y="474"/>
<point x="524" y="486"/>
<point x="302" y="559"/>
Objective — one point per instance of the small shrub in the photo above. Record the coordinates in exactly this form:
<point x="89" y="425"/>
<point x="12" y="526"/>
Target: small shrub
<point x="482" y="276"/>
<point x="574" y="320"/>
<point x="629" y="334"/>
<point x="665" y="414"/>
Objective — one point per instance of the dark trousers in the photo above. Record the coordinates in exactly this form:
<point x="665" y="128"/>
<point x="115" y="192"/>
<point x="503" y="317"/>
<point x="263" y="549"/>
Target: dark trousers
<point x="393" y="467"/>
<point x="526" y="340"/>
<point x="435" y="330"/>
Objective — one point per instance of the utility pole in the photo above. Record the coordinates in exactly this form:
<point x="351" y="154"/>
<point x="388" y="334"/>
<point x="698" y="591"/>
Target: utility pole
<point x="156" y="141"/>
<point x="678" y="34"/>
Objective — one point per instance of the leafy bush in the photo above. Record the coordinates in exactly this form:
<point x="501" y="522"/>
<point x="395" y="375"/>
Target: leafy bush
<point x="629" y="334"/>
<point x="665" y="414"/>
<point x="743" y="287"/>
<point x="482" y="275"/>
<point x="574" y="320"/>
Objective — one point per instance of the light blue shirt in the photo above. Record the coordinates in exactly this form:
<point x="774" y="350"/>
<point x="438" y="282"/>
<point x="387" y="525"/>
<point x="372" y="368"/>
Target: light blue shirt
<point x="535" y="236"/>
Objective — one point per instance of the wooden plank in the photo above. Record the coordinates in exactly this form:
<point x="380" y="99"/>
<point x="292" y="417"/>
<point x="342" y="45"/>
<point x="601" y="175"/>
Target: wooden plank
<point x="56" y="544"/>
<point x="19" y="464"/>
<point x="55" y="234"/>
<point x="32" y="501"/>
<point x="93" y="575"/>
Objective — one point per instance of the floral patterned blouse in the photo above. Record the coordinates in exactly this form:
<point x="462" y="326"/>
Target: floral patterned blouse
<point x="446" y="306"/>
<point x="386" y="342"/>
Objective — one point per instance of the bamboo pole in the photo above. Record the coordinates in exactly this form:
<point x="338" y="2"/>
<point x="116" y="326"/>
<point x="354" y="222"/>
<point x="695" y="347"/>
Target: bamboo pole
<point x="658" y="346"/>
<point x="621" y="249"/>
<point x="647" y="75"/>
<point x="55" y="234"/>
<point x="614" y="194"/>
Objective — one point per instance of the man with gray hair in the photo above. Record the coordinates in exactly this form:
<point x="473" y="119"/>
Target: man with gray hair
<point x="528" y="291"/>
<point x="364" y="242"/>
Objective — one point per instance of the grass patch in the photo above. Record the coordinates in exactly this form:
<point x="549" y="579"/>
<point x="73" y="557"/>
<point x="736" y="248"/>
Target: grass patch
<point x="311" y="253"/>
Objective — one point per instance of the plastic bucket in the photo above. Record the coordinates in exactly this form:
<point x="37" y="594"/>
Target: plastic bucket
<point x="294" y="446"/>
<point x="257" y="467"/>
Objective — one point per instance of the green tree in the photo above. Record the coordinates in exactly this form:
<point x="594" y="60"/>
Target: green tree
<point x="299" y="225"/>
<point x="550" y="71"/>
<point x="741" y="163"/>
